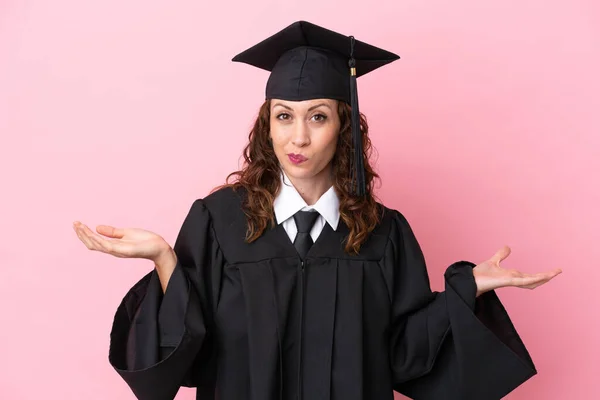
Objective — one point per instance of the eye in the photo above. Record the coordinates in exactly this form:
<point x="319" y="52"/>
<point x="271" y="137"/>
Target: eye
<point x="283" y="116"/>
<point x="319" y="117"/>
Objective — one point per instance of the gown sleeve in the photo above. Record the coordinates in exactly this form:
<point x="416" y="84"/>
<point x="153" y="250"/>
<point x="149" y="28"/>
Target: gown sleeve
<point x="449" y="345"/>
<point x="161" y="342"/>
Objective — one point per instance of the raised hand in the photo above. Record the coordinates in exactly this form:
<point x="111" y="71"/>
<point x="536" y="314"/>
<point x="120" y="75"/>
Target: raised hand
<point x="122" y="242"/>
<point x="489" y="275"/>
<point x="130" y="243"/>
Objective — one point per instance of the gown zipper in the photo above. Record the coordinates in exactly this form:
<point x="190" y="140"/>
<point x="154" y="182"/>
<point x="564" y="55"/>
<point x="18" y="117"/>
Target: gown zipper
<point x="302" y="289"/>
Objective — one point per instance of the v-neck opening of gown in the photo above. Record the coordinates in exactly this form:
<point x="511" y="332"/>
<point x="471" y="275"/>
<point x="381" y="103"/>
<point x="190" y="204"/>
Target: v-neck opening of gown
<point x="327" y="229"/>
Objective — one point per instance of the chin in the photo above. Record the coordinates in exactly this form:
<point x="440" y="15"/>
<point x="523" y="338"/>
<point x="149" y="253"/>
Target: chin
<point x="295" y="171"/>
<point x="300" y="171"/>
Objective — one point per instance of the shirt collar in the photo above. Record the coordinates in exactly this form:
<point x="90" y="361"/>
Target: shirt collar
<point x="288" y="202"/>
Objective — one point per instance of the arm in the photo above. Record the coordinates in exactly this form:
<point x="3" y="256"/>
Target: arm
<point x="165" y="265"/>
<point x="450" y="345"/>
<point x="160" y="333"/>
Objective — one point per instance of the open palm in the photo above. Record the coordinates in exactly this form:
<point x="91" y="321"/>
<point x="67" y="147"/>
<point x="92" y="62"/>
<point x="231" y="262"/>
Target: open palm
<point x="489" y="275"/>
<point x="122" y="242"/>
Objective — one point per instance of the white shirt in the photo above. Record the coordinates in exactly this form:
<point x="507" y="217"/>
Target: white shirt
<point x="288" y="202"/>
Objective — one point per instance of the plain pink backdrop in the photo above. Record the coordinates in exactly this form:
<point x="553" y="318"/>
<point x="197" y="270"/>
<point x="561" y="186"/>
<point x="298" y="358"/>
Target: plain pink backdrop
<point x="124" y="112"/>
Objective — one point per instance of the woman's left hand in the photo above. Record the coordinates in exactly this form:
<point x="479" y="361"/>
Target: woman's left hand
<point x="489" y="275"/>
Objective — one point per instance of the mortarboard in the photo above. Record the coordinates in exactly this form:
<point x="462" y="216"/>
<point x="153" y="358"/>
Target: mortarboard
<point x="308" y="62"/>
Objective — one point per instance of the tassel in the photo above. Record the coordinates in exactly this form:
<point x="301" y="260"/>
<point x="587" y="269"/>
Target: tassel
<point x="359" y="168"/>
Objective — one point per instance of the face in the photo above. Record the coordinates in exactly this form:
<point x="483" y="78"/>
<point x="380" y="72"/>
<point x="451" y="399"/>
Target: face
<point x="305" y="135"/>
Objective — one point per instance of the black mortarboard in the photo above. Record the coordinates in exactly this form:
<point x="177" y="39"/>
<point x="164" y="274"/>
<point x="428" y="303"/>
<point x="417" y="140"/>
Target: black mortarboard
<point x="310" y="62"/>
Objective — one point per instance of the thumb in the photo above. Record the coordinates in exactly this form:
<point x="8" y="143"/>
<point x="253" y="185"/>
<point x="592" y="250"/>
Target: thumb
<point x="110" y="231"/>
<point x="501" y="254"/>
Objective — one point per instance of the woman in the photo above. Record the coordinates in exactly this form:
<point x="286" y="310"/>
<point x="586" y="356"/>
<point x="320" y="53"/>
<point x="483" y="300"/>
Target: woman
<point x="293" y="282"/>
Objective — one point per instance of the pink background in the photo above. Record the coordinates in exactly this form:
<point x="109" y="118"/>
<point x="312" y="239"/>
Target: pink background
<point x="124" y="112"/>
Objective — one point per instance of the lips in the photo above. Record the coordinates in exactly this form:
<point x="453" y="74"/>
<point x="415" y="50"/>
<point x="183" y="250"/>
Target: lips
<point x="296" y="158"/>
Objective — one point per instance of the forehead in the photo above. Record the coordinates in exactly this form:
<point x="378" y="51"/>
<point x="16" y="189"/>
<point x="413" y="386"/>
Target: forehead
<point x="304" y="104"/>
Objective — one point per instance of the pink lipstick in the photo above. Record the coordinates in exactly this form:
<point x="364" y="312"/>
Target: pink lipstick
<point x="296" y="158"/>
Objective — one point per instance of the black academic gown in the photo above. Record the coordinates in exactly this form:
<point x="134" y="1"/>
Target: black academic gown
<point x="252" y="321"/>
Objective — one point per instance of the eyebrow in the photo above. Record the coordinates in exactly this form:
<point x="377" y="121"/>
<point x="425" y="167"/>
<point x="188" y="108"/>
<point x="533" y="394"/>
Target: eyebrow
<point x="310" y="109"/>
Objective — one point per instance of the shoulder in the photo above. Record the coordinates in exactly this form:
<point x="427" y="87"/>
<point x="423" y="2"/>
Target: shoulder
<point x="217" y="202"/>
<point x="390" y="219"/>
<point x="385" y="235"/>
<point x="224" y="200"/>
<point x="393" y="225"/>
<point x="221" y="208"/>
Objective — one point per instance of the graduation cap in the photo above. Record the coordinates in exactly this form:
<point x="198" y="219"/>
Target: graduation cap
<point x="308" y="62"/>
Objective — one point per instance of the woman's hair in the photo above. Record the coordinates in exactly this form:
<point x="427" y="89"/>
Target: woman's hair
<point x="261" y="179"/>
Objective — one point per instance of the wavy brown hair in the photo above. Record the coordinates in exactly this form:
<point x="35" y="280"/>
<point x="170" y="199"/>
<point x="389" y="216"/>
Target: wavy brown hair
<point x="260" y="176"/>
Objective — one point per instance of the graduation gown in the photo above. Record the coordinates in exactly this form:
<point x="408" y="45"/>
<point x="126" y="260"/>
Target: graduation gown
<point x="253" y="321"/>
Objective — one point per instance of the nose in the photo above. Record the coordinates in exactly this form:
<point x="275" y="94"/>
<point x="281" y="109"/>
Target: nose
<point x="301" y="135"/>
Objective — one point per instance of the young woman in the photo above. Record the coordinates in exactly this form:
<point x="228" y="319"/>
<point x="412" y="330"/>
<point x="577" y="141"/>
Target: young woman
<point x="293" y="282"/>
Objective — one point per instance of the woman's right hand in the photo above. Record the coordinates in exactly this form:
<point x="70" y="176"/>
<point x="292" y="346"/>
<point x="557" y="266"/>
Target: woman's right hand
<point x="125" y="242"/>
<point x="130" y="243"/>
<point x="122" y="242"/>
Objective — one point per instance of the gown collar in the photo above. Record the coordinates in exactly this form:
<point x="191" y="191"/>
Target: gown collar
<point x="288" y="202"/>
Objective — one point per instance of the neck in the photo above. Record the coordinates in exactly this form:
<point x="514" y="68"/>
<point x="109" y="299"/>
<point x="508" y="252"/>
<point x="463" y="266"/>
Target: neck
<point x="311" y="189"/>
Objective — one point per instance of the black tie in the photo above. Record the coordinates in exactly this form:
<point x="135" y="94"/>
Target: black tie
<point x="304" y="222"/>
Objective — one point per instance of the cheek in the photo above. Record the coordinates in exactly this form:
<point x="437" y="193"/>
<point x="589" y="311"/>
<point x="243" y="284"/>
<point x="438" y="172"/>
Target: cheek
<point x="276" y="137"/>
<point x="279" y="132"/>
<point x="329" y="141"/>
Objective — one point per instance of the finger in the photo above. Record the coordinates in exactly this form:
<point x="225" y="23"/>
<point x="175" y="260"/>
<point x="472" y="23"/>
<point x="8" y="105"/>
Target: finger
<point x="116" y="247"/>
<point x="546" y="274"/>
<point x="103" y="245"/>
<point x="119" y="248"/>
<point x="79" y="236"/>
<point x="534" y="280"/>
<point x="528" y="282"/>
<point x="84" y="238"/>
<point x="110" y="231"/>
<point x="97" y="241"/>
<point x="76" y="226"/>
<point x="89" y="232"/>
<point x="536" y="284"/>
<point x="501" y="254"/>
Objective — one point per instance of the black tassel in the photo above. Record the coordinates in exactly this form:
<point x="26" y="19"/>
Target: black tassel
<point x="359" y="167"/>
